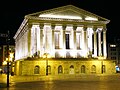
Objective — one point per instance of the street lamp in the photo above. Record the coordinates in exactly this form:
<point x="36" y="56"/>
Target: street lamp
<point x="8" y="39"/>
<point x="46" y="56"/>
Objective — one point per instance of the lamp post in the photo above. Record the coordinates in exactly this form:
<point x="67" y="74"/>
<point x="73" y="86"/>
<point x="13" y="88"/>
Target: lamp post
<point x="8" y="59"/>
<point x="46" y="56"/>
<point x="102" y="66"/>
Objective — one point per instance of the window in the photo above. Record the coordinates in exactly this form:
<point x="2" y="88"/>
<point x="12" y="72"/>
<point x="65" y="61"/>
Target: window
<point x="71" y="69"/>
<point x="60" y="69"/>
<point x="36" y="70"/>
<point x="83" y="69"/>
<point x="93" y="69"/>
<point x="67" y="41"/>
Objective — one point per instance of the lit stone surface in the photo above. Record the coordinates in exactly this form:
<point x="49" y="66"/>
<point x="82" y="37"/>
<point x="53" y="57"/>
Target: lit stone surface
<point x="73" y="38"/>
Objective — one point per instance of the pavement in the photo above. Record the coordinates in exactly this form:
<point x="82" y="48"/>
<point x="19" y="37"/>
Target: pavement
<point x="84" y="77"/>
<point x="61" y="82"/>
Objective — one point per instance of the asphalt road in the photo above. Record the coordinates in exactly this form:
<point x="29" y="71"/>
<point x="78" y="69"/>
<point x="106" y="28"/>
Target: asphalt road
<point x="64" y="85"/>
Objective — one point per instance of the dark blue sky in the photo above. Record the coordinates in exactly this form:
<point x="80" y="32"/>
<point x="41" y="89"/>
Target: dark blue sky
<point x="13" y="12"/>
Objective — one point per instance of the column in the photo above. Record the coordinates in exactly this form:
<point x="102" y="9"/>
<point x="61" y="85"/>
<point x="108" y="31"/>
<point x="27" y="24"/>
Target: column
<point x="89" y="38"/>
<point x="38" y="39"/>
<point x="53" y="40"/>
<point x="99" y="43"/>
<point x="74" y="40"/>
<point x="95" y="42"/>
<point x="29" y="40"/>
<point x="41" y="40"/>
<point x="74" y="29"/>
<point x="85" y="41"/>
<point x="104" y="43"/>
<point x="64" y="28"/>
<point x="64" y="44"/>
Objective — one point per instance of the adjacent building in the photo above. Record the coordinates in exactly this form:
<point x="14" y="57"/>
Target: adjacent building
<point x="63" y="40"/>
<point x="114" y="52"/>
<point x="4" y="56"/>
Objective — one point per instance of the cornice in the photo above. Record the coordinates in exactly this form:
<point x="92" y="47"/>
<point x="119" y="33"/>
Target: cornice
<point x="68" y="20"/>
<point x="21" y="27"/>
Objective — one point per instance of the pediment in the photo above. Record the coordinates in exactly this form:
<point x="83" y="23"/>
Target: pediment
<point x="68" y="12"/>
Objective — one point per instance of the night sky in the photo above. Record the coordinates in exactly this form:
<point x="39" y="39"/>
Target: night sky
<point x="13" y="12"/>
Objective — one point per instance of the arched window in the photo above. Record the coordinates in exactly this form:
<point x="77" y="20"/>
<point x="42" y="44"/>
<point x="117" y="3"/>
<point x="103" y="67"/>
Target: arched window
<point x="49" y="69"/>
<point x="37" y="70"/>
<point x="83" y="69"/>
<point x="60" y="69"/>
<point x="93" y="69"/>
<point x="71" y="69"/>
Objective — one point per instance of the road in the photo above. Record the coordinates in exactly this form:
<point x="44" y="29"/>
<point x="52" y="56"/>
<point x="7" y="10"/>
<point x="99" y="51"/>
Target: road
<point x="109" y="84"/>
<point x="65" y="85"/>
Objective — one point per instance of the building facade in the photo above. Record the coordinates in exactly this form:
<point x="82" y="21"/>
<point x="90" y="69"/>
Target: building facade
<point x="63" y="40"/>
<point x="114" y="52"/>
<point x="4" y="56"/>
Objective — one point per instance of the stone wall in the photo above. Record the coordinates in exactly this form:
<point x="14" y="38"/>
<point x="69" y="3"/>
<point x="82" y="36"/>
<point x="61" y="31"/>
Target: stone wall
<point x="64" y="66"/>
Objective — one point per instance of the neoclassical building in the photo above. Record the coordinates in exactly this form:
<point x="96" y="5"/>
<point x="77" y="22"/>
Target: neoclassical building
<point x="63" y="40"/>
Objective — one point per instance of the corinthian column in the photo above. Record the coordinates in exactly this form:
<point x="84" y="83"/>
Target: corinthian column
<point x="104" y="43"/>
<point x="63" y="28"/>
<point x="29" y="40"/>
<point x="53" y="40"/>
<point x="95" y="42"/>
<point x="41" y="40"/>
<point x="64" y="44"/>
<point x="74" y="28"/>
<point x="85" y="41"/>
<point x="99" y="43"/>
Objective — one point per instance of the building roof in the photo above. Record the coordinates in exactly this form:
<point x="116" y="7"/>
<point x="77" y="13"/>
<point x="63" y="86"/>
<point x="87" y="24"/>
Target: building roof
<point x="68" y="13"/>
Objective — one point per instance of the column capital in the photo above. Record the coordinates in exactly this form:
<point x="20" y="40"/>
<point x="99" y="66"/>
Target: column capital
<point x="30" y="25"/>
<point x="94" y="28"/>
<point x="99" y="31"/>
<point x="104" y="29"/>
<point x="53" y="27"/>
<point x="74" y="27"/>
<point x="41" y="26"/>
<point x="64" y="27"/>
<point x="85" y="28"/>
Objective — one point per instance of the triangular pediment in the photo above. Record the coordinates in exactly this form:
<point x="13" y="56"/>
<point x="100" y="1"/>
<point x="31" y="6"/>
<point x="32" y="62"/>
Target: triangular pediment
<point x="68" y="12"/>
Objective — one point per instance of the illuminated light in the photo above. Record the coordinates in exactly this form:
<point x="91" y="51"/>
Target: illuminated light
<point x="112" y="45"/>
<point x="91" y="18"/>
<point x="11" y="56"/>
<point x="60" y="16"/>
<point x="46" y="55"/>
<point x="5" y="63"/>
<point x="100" y="57"/>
